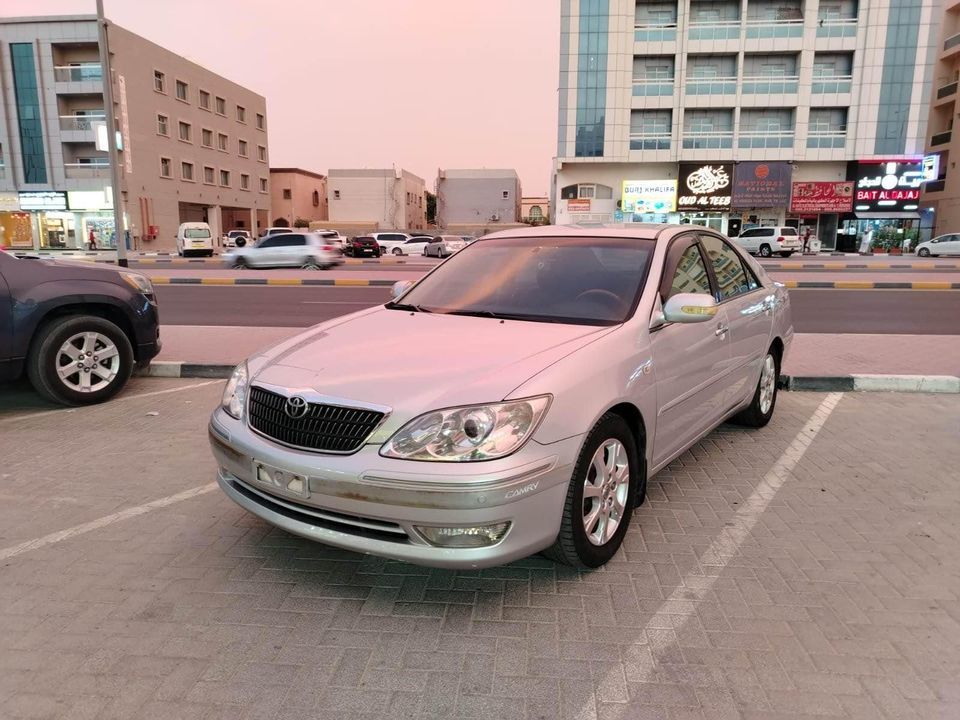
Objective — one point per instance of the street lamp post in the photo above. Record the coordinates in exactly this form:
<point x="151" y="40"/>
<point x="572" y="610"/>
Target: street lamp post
<point x="107" y="72"/>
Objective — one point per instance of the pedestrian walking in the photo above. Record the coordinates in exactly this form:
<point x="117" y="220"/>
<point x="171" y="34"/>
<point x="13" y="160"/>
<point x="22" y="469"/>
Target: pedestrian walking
<point x="806" y="241"/>
<point x="866" y="241"/>
<point x="92" y="240"/>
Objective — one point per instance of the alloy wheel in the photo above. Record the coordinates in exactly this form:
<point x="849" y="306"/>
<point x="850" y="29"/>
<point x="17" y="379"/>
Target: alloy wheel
<point x="88" y="362"/>
<point x="606" y="491"/>
<point x="768" y="383"/>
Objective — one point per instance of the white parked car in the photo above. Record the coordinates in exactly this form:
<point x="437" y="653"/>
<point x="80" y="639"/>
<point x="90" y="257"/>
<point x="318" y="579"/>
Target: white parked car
<point x="332" y="237"/>
<point x="587" y="361"/>
<point x="304" y="250"/>
<point x="277" y="230"/>
<point x="411" y="246"/>
<point x="194" y="238"/>
<point x="444" y="246"/>
<point x="941" y="245"/>
<point x="237" y="238"/>
<point x="767" y="241"/>
<point x="390" y="240"/>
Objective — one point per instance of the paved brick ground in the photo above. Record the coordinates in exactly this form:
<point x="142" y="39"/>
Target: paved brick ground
<point x="842" y="602"/>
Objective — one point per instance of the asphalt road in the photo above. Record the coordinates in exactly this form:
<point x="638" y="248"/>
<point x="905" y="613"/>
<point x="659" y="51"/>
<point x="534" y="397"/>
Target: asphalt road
<point x="897" y="312"/>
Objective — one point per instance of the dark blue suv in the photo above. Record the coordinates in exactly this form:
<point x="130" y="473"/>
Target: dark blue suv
<point x="76" y="329"/>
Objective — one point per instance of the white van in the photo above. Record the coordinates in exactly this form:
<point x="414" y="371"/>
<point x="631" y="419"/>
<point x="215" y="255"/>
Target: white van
<point x="194" y="238"/>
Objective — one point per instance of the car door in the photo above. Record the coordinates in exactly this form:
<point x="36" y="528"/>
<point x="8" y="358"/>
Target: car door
<point x="267" y="253"/>
<point x="292" y="251"/>
<point x="748" y="241"/>
<point x="749" y="309"/>
<point x="690" y="360"/>
<point x="950" y="245"/>
<point x="414" y="246"/>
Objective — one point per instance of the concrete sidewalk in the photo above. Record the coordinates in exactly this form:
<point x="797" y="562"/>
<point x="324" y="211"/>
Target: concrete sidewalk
<point x="883" y="362"/>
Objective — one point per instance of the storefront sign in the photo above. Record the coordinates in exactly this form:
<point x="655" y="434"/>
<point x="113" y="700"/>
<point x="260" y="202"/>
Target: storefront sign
<point x="578" y="206"/>
<point x="931" y="168"/>
<point x="81" y="200"/>
<point x="43" y="200"/>
<point x="9" y="202"/>
<point x="821" y="197"/>
<point x="888" y="186"/>
<point x="761" y="185"/>
<point x="642" y="197"/>
<point x="705" y="187"/>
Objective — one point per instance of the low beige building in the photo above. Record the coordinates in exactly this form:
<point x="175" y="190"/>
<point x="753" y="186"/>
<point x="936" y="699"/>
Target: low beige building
<point x="194" y="144"/>
<point x="477" y="197"/>
<point x="535" y="209"/>
<point x="363" y="200"/>
<point x="297" y="194"/>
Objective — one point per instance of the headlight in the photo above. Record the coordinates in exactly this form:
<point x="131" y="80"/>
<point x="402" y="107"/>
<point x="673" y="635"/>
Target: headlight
<point x="235" y="393"/>
<point x="476" y="432"/>
<point x="140" y="283"/>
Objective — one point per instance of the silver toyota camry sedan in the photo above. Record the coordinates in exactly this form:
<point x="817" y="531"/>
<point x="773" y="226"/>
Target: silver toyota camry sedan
<point x="514" y="400"/>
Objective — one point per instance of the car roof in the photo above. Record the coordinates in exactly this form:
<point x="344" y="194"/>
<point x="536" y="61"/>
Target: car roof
<point x="634" y="231"/>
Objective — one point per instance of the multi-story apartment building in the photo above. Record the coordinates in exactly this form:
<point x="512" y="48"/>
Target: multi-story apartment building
<point x="389" y="199"/>
<point x="297" y="194"/>
<point x="193" y="144"/>
<point x="477" y="197"/>
<point x="730" y="113"/>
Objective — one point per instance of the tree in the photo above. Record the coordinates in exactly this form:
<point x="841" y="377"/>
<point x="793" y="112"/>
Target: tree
<point x="281" y="222"/>
<point x="301" y="223"/>
<point x="431" y="208"/>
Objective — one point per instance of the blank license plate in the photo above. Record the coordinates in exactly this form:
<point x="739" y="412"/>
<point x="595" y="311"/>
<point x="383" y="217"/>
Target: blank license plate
<point x="282" y="480"/>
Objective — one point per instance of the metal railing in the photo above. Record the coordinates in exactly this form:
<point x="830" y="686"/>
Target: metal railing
<point x="714" y="30"/>
<point x="80" y="122"/>
<point x="771" y="85"/>
<point x="831" y="84"/>
<point x="710" y="140"/>
<point x="711" y="86"/>
<point x="951" y="42"/>
<point x="947" y="90"/>
<point x="79" y="171"/>
<point x="774" y="29"/>
<point x="941" y="138"/>
<point x="655" y="33"/>
<point x="655" y="87"/>
<point x="827" y="139"/>
<point x="765" y="140"/>
<point x="84" y="72"/>
<point x="650" y="141"/>
<point x="845" y="27"/>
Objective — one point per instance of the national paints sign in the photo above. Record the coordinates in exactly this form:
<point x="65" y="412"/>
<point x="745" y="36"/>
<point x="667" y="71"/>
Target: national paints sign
<point x="762" y="184"/>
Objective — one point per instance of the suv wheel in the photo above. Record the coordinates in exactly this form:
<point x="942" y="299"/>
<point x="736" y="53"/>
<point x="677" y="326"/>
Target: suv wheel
<point x="79" y="360"/>
<point x="765" y="251"/>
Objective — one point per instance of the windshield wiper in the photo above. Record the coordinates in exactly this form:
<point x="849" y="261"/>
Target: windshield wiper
<point x="502" y="316"/>
<point x="406" y="306"/>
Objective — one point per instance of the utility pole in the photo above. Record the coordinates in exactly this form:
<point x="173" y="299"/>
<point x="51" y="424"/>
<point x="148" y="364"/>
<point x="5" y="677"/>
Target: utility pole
<point x="118" y="229"/>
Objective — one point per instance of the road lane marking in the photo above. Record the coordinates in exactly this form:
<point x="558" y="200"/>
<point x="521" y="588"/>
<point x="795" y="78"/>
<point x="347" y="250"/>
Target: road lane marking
<point x="122" y="398"/>
<point x="696" y="585"/>
<point x="216" y="281"/>
<point x="76" y="530"/>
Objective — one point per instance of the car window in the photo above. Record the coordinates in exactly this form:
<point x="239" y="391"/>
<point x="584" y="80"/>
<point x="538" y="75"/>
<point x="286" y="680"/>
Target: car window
<point x="727" y="267"/>
<point x="392" y="236"/>
<point x="269" y="242"/>
<point x="788" y="231"/>
<point x="691" y="274"/>
<point x="196" y="233"/>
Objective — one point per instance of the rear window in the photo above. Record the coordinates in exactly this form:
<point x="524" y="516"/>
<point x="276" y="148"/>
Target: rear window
<point x="328" y="235"/>
<point x="789" y="231"/>
<point x="196" y="233"/>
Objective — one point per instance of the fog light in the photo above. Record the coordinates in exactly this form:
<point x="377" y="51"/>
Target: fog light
<point x="464" y="537"/>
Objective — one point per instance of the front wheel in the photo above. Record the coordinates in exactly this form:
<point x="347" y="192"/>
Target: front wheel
<point x="765" y="251"/>
<point x="760" y="410"/>
<point x="398" y="252"/>
<point x="923" y="252"/>
<point x="80" y="360"/>
<point x="600" y="498"/>
<point x="310" y="264"/>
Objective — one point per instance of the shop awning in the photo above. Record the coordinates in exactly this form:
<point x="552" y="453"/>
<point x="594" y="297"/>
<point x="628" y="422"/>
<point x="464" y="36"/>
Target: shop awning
<point x="888" y="215"/>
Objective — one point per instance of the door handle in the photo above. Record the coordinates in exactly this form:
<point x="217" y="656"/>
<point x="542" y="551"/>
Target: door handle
<point x="721" y="330"/>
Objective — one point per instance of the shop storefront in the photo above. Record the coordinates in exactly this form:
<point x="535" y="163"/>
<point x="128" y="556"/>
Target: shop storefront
<point x="705" y="194"/>
<point x="886" y="206"/>
<point x="761" y="194"/>
<point x="648" y="201"/>
<point x="818" y="206"/>
<point x="57" y="220"/>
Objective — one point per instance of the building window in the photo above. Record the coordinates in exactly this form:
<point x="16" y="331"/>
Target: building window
<point x="263" y="185"/>
<point x="316" y="198"/>
<point x="28" y="112"/>
<point x="185" y="131"/>
<point x="163" y="125"/>
<point x="159" y="81"/>
<point x="165" y="167"/>
<point x="182" y="90"/>
<point x="206" y="138"/>
<point x="241" y="114"/>
<point x="221" y="106"/>
<point x="204" y="99"/>
<point x="242" y="148"/>
<point x="222" y="142"/>
<point x="224" y="178"/>
<point x="260" y="121"/>
<point x="262" y="153"/>
<point x="287" y="195"/>
<point x="208" y="174"/>
<point x="506" y="194"/>
<point x="336" y="194"/>
<point x="536" y="212"/>
<point x="186" y="171"/>
<point x="244" y="182"/>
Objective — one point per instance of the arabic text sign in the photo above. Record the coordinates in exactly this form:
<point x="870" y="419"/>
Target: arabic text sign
<point x="578" y="206"/>
<point x="705" y="187"/>
<point x="761" y="185"/>
<point x="821" y="197"/>
<point x="649" y="196"/>
<point x="888" y="186"/>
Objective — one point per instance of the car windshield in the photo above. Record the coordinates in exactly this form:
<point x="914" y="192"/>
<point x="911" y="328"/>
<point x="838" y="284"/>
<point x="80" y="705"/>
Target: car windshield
<point x="196" y="233"/>
<point x="584" y="281"/>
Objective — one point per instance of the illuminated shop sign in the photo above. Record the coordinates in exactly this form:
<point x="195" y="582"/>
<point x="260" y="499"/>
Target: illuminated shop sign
<point x="888" y="186"/>
<point x="43" y="200"/>
<point x="642" y="197"/>
<point x="705" y="187"/>
<point x="931" y="168"/>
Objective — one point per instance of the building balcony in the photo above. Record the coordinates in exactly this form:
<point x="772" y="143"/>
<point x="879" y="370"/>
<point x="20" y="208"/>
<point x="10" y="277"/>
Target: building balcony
<point x="80" y="123"/>
<point x="715" y="30"/>
<point x="952" y="43"/>
<point x="785" y="85"/>
<point x="655" y="33"/>
<point x="947" y="90"/>
<point x="844" y="28"/>
<point x="827" y="140"/>
<point x="941" y="138"/>
<point x="82" y="72"/>
<point x="750" y="139"/>
<point x="85" y="171"/>
<point x="709" y="140"/>
<point x="774" y="29"/>
<point x="653" y="87"/>
<point x="834" y="84"/>
<point x="650" y="141"/>
<point x="711" y="86"/>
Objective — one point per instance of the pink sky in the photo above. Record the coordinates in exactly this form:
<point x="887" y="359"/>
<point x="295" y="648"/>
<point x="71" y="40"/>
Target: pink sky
<point x="370" y="83"/>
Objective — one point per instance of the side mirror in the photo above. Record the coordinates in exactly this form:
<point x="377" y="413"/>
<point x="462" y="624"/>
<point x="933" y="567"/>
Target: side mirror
<point x="690" y="308"/>
<point x="400" y="287"/>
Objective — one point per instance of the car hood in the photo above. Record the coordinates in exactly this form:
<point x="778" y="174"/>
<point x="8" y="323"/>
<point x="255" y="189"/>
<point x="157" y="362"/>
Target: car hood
<point x="416" y="362"/>
<point x="56" y="269"/>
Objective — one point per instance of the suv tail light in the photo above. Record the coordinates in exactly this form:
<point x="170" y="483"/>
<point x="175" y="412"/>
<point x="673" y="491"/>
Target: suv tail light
<point x="781" y="239"/>
<point x="327" y="248"/>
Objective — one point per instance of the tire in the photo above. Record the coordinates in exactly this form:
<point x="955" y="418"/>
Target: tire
<point x="786" y="254"/>
<point x="573" y="545"/>
<point x="765" y="251"/>
<point x="761" y="407"/>
<point x="45" y="356"/>
<point x="240" y="264"/>
<point x="397" y="251"/>
<point x="923" y="252"/>
<point x="311" y="264"/>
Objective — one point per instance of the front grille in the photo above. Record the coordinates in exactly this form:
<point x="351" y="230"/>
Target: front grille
<point x="326" y="428"/>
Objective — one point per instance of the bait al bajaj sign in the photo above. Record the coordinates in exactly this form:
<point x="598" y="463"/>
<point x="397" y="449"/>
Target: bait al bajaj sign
<point x="705" y="187"/>
<point x="888" y="186"/>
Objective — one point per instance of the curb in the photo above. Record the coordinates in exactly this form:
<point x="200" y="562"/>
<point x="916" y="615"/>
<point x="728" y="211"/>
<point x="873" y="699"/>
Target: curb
<point x="338" y="282"/>
<point x="946" y="384"/>
<point x="860" y="285"/>
<point x="786" y="267"/>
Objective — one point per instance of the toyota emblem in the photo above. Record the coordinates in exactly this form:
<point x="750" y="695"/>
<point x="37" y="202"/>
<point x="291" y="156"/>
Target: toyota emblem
<point x="296" y="407"/>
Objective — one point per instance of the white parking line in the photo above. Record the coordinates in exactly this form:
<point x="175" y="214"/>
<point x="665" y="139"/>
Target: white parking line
<point x="682" y="603"/>
<point x="53" y="538"/>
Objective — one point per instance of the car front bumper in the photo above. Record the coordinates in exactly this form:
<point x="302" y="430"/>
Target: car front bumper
<point x="370" y="504"/>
